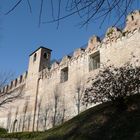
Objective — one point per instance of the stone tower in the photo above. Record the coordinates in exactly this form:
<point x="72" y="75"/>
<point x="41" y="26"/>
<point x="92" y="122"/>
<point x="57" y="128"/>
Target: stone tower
<point x="39" y="60"/>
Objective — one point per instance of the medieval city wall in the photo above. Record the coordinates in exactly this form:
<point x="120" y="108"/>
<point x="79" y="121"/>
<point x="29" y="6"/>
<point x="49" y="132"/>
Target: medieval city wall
<point x="41" y="84"/>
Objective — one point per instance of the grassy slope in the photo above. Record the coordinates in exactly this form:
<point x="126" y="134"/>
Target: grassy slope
<point x="102" y="122"/>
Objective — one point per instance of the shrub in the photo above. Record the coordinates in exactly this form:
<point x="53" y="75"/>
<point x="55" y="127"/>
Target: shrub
<point x="114" y="84"/>
<point x="3" y="130"/>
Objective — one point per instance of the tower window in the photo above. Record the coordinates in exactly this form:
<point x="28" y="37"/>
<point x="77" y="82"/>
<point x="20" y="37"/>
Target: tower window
<point x="64" y="75"/>
<point x="45" y="55"/>
<point x="132" y="18"/>
<point x="94" y="61"/>
<point x="34" y="59"/>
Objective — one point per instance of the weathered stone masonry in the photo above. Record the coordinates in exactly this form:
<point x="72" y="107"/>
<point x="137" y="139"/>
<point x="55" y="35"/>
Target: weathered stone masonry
<point x="48" y="85"/>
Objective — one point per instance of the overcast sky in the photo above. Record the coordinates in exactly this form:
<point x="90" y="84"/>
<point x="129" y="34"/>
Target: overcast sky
<point x="20" y="35"/>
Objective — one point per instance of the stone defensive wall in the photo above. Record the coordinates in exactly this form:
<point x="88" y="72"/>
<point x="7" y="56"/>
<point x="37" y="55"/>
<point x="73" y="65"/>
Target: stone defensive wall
<point x="43" y="80"/>
<point x="113" y="36"/>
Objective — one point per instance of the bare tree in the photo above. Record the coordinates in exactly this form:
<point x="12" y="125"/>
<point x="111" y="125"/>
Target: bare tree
<point x="7" y="96"/>
<point x="87" y="10"/>
<point x="56" y="103"/>
<point x="29" y="121"/>
<point x="25" y="108"/>
<point x="8" y="120"/>
<point x="45" y="116"/>
<point x="14" y="125"/>
<point x="63" y="111"/>
<point x="19" y="124"/>
<point x="38" y="113"/>
<point x="15" y="121"/>
<point x="58" y="107"/>
<point x="79" y="87"/>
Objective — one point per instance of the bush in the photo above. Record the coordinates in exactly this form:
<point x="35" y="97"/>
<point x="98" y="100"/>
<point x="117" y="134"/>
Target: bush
<point x="114" y="84"/>
<point x="3" y="131"/>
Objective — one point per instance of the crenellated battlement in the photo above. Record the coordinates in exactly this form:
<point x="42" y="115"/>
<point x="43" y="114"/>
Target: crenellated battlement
<point x="64" y="77"/>
<point x="15" y="83"/>
<point x="132" y="21"/>
<point x="113" y="35"/>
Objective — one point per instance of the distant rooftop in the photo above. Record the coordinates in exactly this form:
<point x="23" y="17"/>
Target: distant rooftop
<point x="41" y="47"/>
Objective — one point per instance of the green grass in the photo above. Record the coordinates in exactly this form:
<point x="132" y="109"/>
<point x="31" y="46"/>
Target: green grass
<point x="103" y="122"/>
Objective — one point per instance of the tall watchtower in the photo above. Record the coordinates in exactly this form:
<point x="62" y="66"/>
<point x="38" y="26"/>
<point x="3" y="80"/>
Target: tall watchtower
<point x="39" y="59"/>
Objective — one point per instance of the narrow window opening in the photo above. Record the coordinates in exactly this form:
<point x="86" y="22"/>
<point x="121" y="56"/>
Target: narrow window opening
<point x="64" y="75"/>
<point x="132" y="18"/>
<point x="94" y="61"/>
<point x="45" y="55"/>
<point x="34" y="57"/>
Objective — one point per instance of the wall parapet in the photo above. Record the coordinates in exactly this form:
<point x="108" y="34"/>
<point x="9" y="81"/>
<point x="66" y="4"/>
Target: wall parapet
<point x="15" y="83"/>
<point x="67" y="61"/>
<point x="113" y="35"/>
